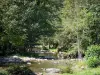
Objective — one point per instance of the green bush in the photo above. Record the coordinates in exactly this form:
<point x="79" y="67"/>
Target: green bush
<point x="45" y="48"/>
<point x="92" y="51"/>
<point x="67" y="69"/>
<point x="92" y="56"/>
<point x="93" y="62"/>
<point x="96" y="73"/>
<point x="3" y="73"/>
<point x="17" y="70"/>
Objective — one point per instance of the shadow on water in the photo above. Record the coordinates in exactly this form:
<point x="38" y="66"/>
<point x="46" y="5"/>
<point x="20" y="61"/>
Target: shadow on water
<point x="35" y="66"/>
<point x="7" y="61"/>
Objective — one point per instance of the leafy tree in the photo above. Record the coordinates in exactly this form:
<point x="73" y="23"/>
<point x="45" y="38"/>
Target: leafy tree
<point x="78" y="19"/>
<point x="23" y="21"/>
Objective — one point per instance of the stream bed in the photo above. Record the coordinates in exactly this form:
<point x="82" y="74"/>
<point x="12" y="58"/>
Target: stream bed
<point x="40" y="66"/>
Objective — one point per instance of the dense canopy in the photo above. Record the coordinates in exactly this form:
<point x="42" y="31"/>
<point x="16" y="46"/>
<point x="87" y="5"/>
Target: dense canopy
<point x="71" y="25"/>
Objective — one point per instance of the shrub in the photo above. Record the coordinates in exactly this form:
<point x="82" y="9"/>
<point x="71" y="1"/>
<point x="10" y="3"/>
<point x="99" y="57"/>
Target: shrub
<point x="96" y="73"/>
<point x="45" y="48"/>
<point x="93" y="56"/>
<point x="93" y="62"/>
<point x="92" y="51"/>
<point x="3" y="73"/>
<point x="17" y="70"/>
<point x="81" y="65"/>
<point x="67" y="69"/>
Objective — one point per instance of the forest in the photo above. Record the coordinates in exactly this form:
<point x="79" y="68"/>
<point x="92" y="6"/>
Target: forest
<point x="68" y="26"/>
<point x="65" y="24"/>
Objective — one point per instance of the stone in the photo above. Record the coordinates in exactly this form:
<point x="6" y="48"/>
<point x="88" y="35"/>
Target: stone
<point x="82" y="67"/>
<point x="52" y="70"/>
<point x="15" y="56"/>
<point x="28" y="63"/>
<point x="39" y="73"/>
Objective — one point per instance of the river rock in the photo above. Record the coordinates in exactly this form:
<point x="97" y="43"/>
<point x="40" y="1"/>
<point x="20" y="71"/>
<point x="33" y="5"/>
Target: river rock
<point x="15" y="56"/>
<point x="28" y="63"/>
<point x="52" y="70"/>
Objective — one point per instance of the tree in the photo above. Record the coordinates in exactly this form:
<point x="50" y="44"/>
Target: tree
<point x="74" y="26"/>
<point x="24" y="21"/>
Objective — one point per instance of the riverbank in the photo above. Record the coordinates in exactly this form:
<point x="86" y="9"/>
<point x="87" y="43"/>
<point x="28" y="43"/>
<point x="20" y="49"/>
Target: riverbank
<point x="89" y="71"/>
<point x="65" y="66"/>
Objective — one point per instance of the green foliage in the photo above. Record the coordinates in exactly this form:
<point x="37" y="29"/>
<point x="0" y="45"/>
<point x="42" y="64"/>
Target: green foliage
<point x="90" y="71"/>
<point x="93" y="22"/>
<point x="93" y="62"/>
<point x="80" y="24"/>
<point x="23" y="22"/>
<point x="92" y="51"/>
<point x="67" y="69"/>
<point x="93" y="55"/>
<point x="71" y="54"/>
<point x="3" y="73"/>
<point x="74" y="26"/>
<point x="17" y="70"/>
<point x="44" y="48"/>
<point x="81" y="64"/>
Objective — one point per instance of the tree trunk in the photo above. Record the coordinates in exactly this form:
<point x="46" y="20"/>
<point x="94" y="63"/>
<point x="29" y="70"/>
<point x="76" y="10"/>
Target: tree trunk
<point x="78" y="45"/>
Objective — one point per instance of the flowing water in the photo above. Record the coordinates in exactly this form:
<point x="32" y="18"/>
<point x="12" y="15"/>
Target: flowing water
<point x="42" y="65"/>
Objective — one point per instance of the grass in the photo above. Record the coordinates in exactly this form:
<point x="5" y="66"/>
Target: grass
<point x="80" y="68"/>
<point x="89" y="71"/>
